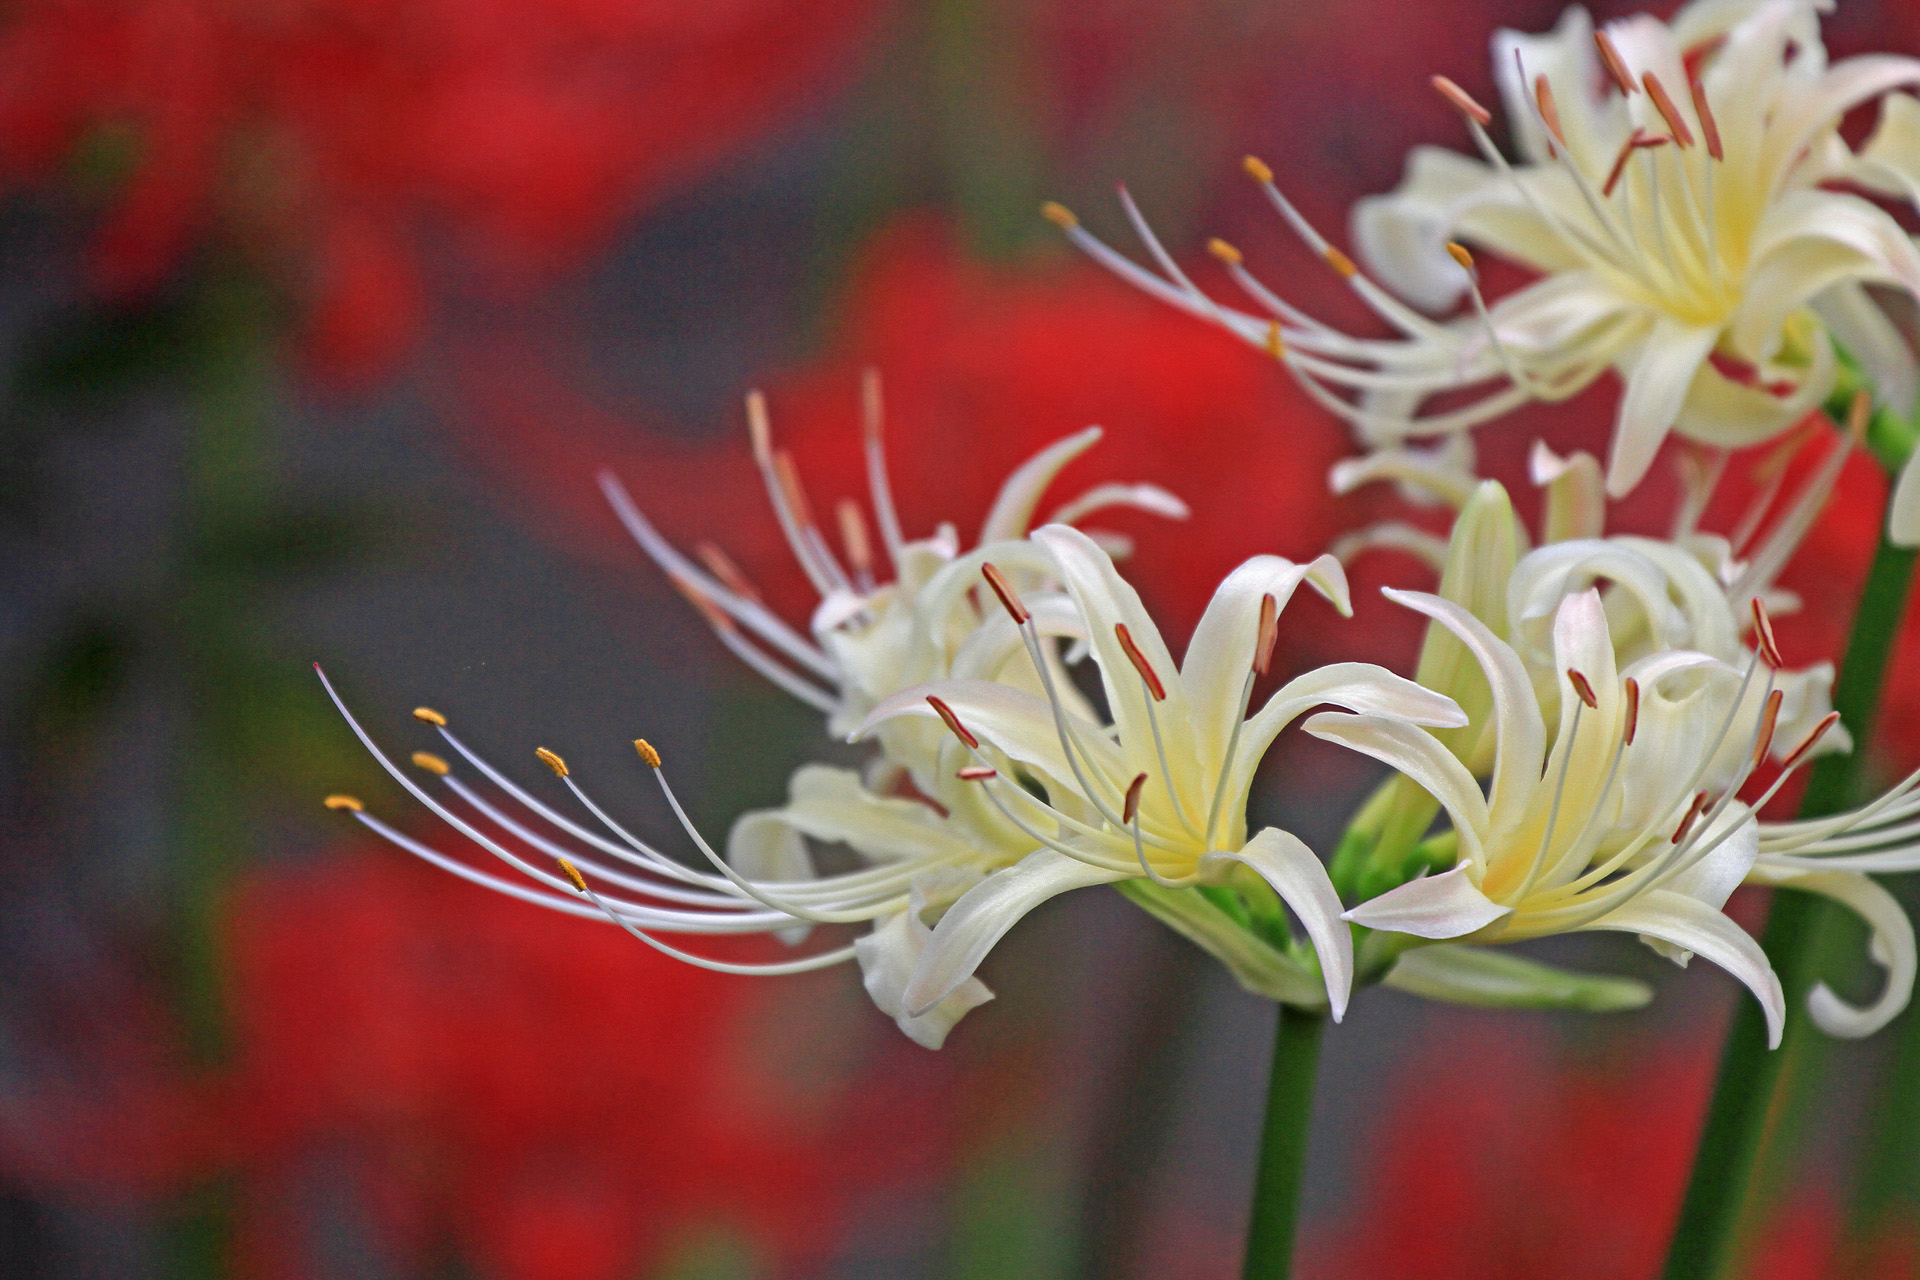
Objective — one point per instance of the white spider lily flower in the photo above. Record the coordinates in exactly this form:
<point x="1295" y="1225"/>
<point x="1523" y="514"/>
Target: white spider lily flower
<point x="1625" y="820"/>
<point x="918" y="859"/>
<point x="1694" y="590"/>
<point x="921" y="835"/>
<point x="1889" y="163"/>
<point x="1160" y="795"/>
<point x="1669" y="193"/>
<point x="868" y="637"/>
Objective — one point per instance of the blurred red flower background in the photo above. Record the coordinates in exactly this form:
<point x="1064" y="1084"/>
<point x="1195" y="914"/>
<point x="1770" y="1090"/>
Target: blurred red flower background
<point x="334" y="141"/>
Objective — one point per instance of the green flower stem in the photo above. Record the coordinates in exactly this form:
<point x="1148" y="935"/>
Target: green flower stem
<point x="1283" y="1143"/>
<point x="1887" y="1183"/>
<point x="1745" y="1094"/>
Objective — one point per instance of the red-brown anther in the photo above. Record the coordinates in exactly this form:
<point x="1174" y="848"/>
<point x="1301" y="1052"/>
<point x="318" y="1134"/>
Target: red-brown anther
<point x="1769" y="717"/>
<point x="1693" y="812"/>
<point x="1583" y="688"/>
<point x="1268" y="632"/>
<point x="853" y="535"/>
<point x="1813" y="739"/>
<point x="1132" y="803"/>
<point x="872" y="409"/>
<point x="1004" y="589"/>
<point x="1763" y="633"/>
<point x="1668" y="111"/>
<point x="1638" y="139"/>
<point x="1633" y="708"/>
<point x="976" y="773"/>
<point x="1462" y="101"/>
<point x="1616" y="67"/>
<point x="789" y="476"/>
<point x="1702" y="109"/>
<point x="945" y="712"/>
<point x="1543" y="97"/>
<point x="1139" y="661"/>
<point x="1859" y="413"/>
<point x="717" y="618"/>
<point x="727" y="571"/>
<point x="759" y="429"/>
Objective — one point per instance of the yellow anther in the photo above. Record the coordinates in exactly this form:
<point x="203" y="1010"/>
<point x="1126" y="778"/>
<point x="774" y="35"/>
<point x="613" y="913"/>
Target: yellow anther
<point x="647" y="753"/>
<point x="1458" y="252"/>
<point x="1224" y="251"/>
<point x="1341" y="262"/>
<point x="552" y="761"/>
<point x="573" y="873"/>
<point x="1059" y="215"/>
<point x="344" y="802"/>
<point x="430" y="716"/>
<point x="1276" y="345"/>
<point x="1257" y="169"/>
<point x="430" y="762"/>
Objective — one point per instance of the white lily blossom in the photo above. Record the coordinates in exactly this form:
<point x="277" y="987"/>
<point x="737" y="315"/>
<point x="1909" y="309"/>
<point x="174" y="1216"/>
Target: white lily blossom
<point x="1628" y="819"/>
<point x="1691" y="590"/>
<point x="922" y="837"/>
<point x="1671" y="193"/>
<point x="1159" y="796"/>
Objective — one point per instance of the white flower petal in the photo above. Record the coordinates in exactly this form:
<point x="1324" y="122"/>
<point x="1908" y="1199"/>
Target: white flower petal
<point x="888" y="956"/>
<point x="1017" y="723"/>
<point x="982" y="917"/>
<point x="1903" y="514"/>
<point x="1865" y="329"/>
<point x="1892" y="946"/>
<point x="1359" y="687"/>
<point x="1576" y="496"/>
<point x="1285" y="862"/>
<point x="1416" y="753"/>
<point x="1691" y="925"/>
<point x="1220" y="655"/>
<point x="1448" y="905"/>
<point x="1656" y="387"/>
<point x="1012" y="509"/>
<point x="1108" y="601"/>
<point x="1520" y="733"/>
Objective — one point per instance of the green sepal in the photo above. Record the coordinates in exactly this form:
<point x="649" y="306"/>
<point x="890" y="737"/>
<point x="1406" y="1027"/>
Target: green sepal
<point x="1495" y="978"/>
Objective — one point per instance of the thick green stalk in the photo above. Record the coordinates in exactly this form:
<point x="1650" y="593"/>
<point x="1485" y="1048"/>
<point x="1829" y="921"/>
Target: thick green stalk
<point x="1705" y="1243"/>
<point x="1283" y="1143"/>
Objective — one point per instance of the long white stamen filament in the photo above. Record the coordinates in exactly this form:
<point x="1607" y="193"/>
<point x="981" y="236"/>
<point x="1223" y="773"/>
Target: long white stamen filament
<point x="757" y="893"/>
<point x="1069" y="740"/>
<point x="751" y="614"/>
<point x="1227" y="763"/>
<point x="879" y="484"/>
<point x="1160" y="753"/>
<point x="777" y="496"/>
<point x="1553" y="810"/>
<point x="825" y="960"/>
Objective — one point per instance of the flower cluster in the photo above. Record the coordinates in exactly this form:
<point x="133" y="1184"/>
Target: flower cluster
<point x="1598" y="720"/>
